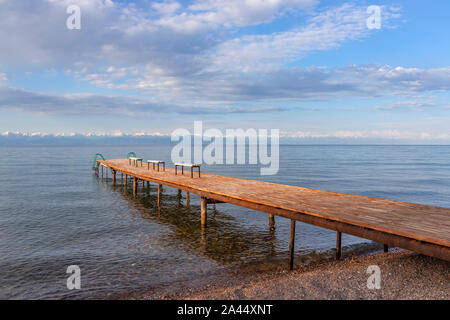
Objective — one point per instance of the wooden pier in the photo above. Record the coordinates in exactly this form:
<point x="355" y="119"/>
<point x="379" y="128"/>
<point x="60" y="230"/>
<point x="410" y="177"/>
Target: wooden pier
<point x="419" y="228"/>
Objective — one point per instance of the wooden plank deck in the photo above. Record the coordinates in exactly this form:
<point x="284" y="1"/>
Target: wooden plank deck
<point x="420" y="228"/>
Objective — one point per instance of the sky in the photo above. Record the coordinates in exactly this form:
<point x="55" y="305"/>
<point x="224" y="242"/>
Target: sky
<point x="310" y="68"/>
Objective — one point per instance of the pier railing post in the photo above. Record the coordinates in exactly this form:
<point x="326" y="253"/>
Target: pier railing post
<point x="204" y="212"/>
<point x="292" y="246"/>
<point x="338" y="245"/>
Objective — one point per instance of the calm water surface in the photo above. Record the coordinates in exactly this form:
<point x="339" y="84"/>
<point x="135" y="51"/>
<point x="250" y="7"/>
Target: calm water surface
<point x="54" y="212"/>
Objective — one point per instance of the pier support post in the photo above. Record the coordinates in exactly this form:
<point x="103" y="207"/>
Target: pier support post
<point x="386" y="248"/>
<point x="338" y="245"/>
<point x="188" y="199"/>
<point x="126" y="180"/>
<point x="143" y="184"/>
<point x="134" y="185"/>
<point x="106" y="172"/>
<point x="204" y="212"/>
<point x="102" y="170"/>
<point x="292" y="246"/>
<point x="159" y="195"/>
<point x="179" y="197"/>
<point x="271" y="220"/>
<point x="114" y="176"/>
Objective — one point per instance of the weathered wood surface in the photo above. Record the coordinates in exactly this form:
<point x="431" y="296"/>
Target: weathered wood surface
<point x="421" y="228"/>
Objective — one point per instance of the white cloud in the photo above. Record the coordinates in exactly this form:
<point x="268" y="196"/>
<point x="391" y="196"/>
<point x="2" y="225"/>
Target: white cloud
<point x="212" y="14"/>
<point x="166" y="7"/>
<point x="124" y="46"/>
<point x="87" y="105"/>
<point x="296" y="84"/>
<point x="254" y="67"/>
<point x="415" y="105"/>
<point x="386" y="136"/>
<point x="85" y="4"/>
<point x="3" y="77"/>
<point x="390" y="134"/>
<point x="326" y="30"/>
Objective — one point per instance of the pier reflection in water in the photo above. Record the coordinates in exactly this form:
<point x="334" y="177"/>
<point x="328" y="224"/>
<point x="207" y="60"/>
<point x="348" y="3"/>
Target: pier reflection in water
<point x="225" y="240"/>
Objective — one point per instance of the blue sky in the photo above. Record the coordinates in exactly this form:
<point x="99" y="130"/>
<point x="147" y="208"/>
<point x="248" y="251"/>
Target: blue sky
<point x="311" y="68"/>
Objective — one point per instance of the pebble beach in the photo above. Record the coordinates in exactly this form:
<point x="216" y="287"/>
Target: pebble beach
<point x="404" y="275"/>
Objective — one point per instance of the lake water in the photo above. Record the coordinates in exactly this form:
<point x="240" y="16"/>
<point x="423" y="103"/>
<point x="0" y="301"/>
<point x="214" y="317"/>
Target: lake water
<point x="54" y="212"/>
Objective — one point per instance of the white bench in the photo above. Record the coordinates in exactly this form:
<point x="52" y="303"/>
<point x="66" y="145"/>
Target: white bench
<point x="157" y="163"/>
<point x="189" y="165"/>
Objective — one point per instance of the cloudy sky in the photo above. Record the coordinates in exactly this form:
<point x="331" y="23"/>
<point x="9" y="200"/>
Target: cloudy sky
<point x="311" y="68"/>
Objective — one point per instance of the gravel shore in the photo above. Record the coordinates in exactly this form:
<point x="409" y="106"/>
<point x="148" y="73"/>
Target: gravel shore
<point x="404" y="275"/>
